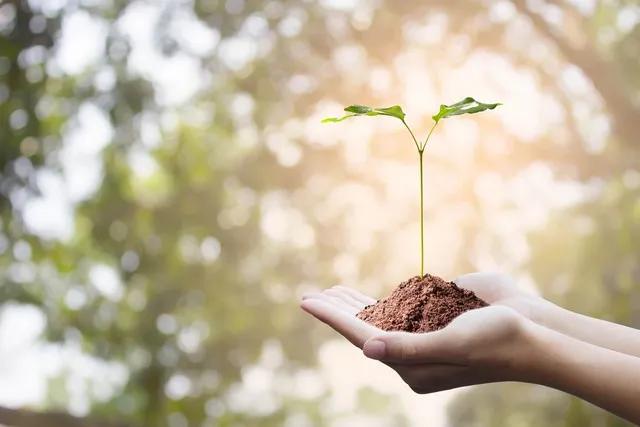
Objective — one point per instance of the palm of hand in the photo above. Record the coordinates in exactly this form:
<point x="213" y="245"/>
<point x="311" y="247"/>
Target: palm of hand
<point x="428" y="362"/>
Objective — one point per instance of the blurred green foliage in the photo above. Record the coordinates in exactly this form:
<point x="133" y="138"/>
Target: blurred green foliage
<point x="213" y="172"/>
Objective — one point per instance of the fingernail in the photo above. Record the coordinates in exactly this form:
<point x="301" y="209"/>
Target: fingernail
<point x="374" y="349"/>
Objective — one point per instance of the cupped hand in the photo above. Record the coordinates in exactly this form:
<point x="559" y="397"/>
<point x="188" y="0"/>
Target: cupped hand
<point x="337" y="307"/>
<point x="480" y="346"/>
<point x="500" y="289"/>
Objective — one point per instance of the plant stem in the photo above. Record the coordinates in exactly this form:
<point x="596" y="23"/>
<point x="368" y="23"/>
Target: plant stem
<point x="421" y="218"/>
<point x="420" y="153"/>
<point x="427" y="140"/>
<point x="415" y="141"/>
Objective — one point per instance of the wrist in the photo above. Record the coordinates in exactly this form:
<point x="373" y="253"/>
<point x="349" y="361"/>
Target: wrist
<point x="525" y="351"/>
<point x="542" y="349"/>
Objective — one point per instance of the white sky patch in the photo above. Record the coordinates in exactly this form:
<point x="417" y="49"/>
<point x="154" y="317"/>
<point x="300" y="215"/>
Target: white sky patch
<point x="27" y="323"/>
<point x="593" y="123"/>
<point x="575" y="81"/>
<point x="513" y="208"/>
<point x="49" y="215"/>
<point x="536" y="193"/>
<point x="432" y="30"/>
<point x="237" y="52"/>
<point x="175" y="78"/>
<point x="105" y="79"/>
<point x="255" y="25"/>
<point x="137" y="23"/>
<point x="350" y="58"/>
<point x="82" y="42"/>
<point x="420" y="97"/>
<point x="501" y="11"/>
<point x="150" y="133"/>
<point x="340" y="4"/>
<point x="628" y="18"/>
<point x="106" y="281"/>
<point x="27" y="364"/>
<point x="527" y="113"/>
<point x="210" y="249"/>
<point x="283" y="223"/>
<point x="286" y="151"/>
<point x="586" y="7"/>
<point x="141" y="163"/>
<point x="81" y="156"/>
<point x="20" y="368"/>
<point x="48" y="7"/>
<point x="88" y="378"/>
<point x="192" y="34"/>
<point x="177" y="387"/>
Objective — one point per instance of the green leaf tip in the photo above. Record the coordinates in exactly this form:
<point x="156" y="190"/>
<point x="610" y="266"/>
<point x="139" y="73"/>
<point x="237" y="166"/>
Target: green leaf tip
<point x="363" y="110"/>
<point x="336" y="119"/>
<point x="466" y="106"/>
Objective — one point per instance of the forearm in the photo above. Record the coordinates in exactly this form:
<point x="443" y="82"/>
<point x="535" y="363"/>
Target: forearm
<point x="595" y="331"/>
<point x="601" y="376"/>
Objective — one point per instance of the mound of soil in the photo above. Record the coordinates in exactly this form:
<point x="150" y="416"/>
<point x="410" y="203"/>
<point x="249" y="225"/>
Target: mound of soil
<point x="421" y="305"/>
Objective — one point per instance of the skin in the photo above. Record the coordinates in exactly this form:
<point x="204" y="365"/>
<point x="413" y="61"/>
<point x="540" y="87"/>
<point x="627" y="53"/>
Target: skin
<point x="500" y="289"/>
<point x="519" y="337"/>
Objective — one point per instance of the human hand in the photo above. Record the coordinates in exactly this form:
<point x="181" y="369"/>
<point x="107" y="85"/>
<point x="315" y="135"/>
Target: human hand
<point x="496" y="343"/>
<point x="480" y="346"/>
<point x="337" y="307"/>
<point x="500" y="289"/>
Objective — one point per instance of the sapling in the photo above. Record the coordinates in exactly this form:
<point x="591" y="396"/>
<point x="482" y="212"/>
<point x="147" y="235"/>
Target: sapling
<point x="466" y="106"/>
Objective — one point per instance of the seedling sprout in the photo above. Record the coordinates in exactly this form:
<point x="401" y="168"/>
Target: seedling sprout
<point x="466" y="106"/>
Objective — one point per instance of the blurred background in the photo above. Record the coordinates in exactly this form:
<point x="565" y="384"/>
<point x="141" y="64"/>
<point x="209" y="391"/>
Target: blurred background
<point x="167" y="193"/>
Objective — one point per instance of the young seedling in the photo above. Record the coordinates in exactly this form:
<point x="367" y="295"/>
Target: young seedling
<point x="466" y="106"/>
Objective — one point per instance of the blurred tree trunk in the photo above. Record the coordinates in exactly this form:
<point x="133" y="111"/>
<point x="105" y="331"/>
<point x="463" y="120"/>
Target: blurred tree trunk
<point x="26" y="418"/>
<point x="603" y="74"/>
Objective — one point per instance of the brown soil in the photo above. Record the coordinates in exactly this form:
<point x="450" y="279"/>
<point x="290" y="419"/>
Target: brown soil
<point x="421" y="305"/>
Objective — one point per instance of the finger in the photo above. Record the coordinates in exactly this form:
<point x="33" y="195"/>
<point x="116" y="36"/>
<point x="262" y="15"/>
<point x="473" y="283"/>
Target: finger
<point x="349" y="326"/>
<point x="335" y="301"/>
<point x="309" y="295"/>
<point x="357" y="295"/>
<point x="413" y="348"/>
<point x="338" y="293"/>
<point x="489" y="282"/>
<point x="345" y="306"/>
<point x="350" y="296"/>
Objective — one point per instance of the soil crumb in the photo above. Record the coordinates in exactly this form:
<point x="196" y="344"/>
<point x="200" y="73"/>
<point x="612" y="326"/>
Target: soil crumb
<point x="421" y="305"/>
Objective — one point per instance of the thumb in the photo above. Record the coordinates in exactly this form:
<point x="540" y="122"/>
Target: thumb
<point x="411" y="348"/>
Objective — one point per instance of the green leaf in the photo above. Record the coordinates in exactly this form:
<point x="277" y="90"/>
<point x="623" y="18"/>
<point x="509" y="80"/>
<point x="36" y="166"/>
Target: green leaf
<point x="336" y="119"/>
<point x="358" y="109"/>
<point x="363" y="110"/>
<point x="395" y="111"/>
<point x="466" y="106"/>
